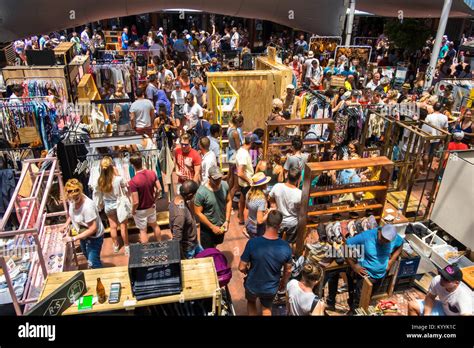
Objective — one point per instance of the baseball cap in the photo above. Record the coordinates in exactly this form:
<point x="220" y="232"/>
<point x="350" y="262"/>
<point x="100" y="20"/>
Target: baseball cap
<point x="160" y="29"/>
<point x="177" y="84"/>
<point x="458" y="135"/>
<point x="290" y="86"/>
<point x="389" y="232"/>
<point x="451" y="273"/>
<point x="215" y="173"/>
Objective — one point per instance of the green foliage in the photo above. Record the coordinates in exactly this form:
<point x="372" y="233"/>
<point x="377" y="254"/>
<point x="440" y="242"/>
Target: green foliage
<point x="411" y="34"/>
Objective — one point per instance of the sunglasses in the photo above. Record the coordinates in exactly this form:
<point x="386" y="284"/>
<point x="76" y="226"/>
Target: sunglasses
<point x="184" y="145"/>
<point x="72" y="191"/>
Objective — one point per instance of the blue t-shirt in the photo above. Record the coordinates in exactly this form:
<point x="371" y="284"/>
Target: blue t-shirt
<point x="376" y="256"/>
<point x="348" y="176"/>
<point x="124" y="41"/>
<point x="266" y="258"/>
<point x="161" y="98"/>
<point x="179" y="46"/>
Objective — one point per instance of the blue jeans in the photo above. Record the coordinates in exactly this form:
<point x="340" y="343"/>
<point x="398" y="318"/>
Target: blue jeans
<point x="91" y="248"/>
<point x="191" y="253"/>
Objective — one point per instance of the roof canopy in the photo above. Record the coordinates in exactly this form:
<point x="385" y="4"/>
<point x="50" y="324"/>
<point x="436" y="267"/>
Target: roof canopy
<point x="21" y="18"/>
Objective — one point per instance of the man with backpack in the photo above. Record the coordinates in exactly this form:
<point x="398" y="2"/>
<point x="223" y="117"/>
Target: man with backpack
<point x="262" y="262"/>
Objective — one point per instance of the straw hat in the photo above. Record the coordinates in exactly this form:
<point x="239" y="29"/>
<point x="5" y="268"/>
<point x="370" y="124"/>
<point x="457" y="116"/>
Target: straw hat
<point x="259" y="179"/>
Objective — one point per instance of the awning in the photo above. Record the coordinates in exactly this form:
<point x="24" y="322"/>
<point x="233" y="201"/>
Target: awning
<point x="22" y="18"/>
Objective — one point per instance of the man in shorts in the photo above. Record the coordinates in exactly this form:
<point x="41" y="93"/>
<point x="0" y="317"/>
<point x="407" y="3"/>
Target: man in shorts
<point x="262" y="262"/>
<point x="145" y="188"/>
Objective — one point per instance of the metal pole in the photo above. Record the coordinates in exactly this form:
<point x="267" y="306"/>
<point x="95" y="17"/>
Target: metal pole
<point x="350" y="22"/>
<point x="437" y="45"/>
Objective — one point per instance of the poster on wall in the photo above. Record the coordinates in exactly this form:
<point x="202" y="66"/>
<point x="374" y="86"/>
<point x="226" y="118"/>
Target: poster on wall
<point x="353" y="55"/>
<point x="324" y="47"/>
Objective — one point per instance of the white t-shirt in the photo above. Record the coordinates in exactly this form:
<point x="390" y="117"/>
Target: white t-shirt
<point x="162" y="76"/>
<point x="208" y="160"/>
<point x="458" y="302"/>
<point x="234" y="42"/>
<point x="117" y="184"/>
<point x="85" y="214"/>
<point x="243" y="158"/>
<point x="300" y="302"/>
<point x="179" y="97"/>
<point x="309" y="67"/>
<point x="372" y="85"/>
<point x="141" y="108"/>
<point x="193" y="113"/>
<point x="288" y="201"/>
<point x="435" y="119"/>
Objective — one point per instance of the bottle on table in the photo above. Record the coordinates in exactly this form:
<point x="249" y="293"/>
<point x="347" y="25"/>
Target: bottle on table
<point x="100" y="291"/>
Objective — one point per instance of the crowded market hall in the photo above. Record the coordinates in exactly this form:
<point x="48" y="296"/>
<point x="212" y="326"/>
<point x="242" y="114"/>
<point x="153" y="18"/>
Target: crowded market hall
<point x="228" y="160"/>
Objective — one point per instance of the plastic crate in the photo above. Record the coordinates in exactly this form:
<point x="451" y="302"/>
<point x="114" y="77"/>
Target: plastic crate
<point x="420" y="244"/>
<point x="408" y="267"/>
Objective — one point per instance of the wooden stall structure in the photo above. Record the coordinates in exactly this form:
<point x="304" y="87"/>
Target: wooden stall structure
<point x="64" y="53"/>
<point x="298" y="125"/>
<point x="20" y="74"/>
<point x="256" y="88"/>
<point x="112" y="40"/>
<point x="313" y="214"/>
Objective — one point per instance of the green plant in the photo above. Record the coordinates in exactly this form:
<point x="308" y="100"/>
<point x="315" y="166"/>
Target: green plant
<point x="411" y="34"/>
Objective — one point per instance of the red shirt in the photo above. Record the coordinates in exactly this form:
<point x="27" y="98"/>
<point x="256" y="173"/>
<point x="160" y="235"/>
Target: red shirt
<point x="185" y="164"/>
<point x="453" y="146"/>
<point x="144" y="183"/>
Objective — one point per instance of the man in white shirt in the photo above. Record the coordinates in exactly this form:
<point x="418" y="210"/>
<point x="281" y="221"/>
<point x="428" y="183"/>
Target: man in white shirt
<point x="162" y="73"/>
<point x="235" y="40"/>
<point x="438" y="120"/>
<point x="308" y="68"/>
<point x="215" y="131"/>
<point x="192" y="111"/>
<point x="243" y="162"/>
<point x="287" y="197"/>
<point x="85" y="36"/>
<point x="142" y="113"/>
<point x="454" y="297"/>
<point x="375" y="82"/>
<point x="208" y="159"/>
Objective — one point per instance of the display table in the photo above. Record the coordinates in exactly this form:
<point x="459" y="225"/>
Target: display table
<point x="198" y="275"/>
<point x="388" y="205"/>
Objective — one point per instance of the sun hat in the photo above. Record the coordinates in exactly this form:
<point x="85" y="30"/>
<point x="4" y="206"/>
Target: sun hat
<point x="310" y="54"/>
<point x="290" y="86"/>
<point x="458" y="135"/>
<point x="259" y="179"/>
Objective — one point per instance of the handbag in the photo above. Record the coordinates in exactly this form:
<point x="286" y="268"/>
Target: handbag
<point x="124" y="207"/>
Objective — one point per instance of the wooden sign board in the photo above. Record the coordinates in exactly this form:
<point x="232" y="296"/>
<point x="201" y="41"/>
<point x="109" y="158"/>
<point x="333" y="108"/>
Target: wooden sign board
<point x="28" y="135"/>
<point x="62" y="298"/>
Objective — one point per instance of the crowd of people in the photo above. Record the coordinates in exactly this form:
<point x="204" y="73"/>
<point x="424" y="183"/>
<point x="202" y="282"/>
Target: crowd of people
<point x="172" y="110"/>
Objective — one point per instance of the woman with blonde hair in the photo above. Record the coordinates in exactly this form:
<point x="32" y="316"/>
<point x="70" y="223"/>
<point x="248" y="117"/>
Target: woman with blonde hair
<point x="256" y="212"/>
<point x="84" y="217"/>
<point x="111" y="186"/>
<point x="301" y="299"/>
<point x="185" y="80"/>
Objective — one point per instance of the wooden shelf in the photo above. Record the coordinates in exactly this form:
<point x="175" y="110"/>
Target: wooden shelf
<point x="301" y="122"/>
<point x="316" y="225"/>
<point x="305" y="142"/>
<point x="344" y="164"/>
<point x="345" y="210"/>
<point x="348" y="190"/>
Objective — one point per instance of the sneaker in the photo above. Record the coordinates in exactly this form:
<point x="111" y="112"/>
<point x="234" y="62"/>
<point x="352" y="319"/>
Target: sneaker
<point x="116" y="248"/>
<point x="127" y="250"/>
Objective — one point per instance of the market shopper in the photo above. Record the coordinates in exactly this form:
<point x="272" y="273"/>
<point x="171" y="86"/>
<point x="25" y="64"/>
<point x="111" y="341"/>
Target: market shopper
<point x="193" y="112"/>
<point x="188" y="161"/>
<point x="213" y="206"/>
<point x="182" y="220"/>
<point x="256" y="212"/>
<point x="297" y="159"/>
<point x="301" y="300"/>
<point x="110" y="187"/>
<point x="287" y="197"/>
<point x="380" y="247"/>
<point x="262" y="262"/>
<point x="178" y="101"/>
<point x="244" y="165"/>
<point x="447" y="295"/>
<point x="145" y="188"/>
<point x="214" y="137"/>
<point x="440" y="121"/>
<point x="86" y="222"/>
<point x="208" y="158"/>
<point x="142" y="113"/>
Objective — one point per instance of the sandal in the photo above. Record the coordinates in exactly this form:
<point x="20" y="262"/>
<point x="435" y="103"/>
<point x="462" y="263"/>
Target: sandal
<point x="244" y="231"/>
<point x="116" y="248"/>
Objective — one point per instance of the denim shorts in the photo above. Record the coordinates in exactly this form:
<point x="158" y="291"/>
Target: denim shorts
<point x="110" y="207"/>
<point x="265" y="299"/>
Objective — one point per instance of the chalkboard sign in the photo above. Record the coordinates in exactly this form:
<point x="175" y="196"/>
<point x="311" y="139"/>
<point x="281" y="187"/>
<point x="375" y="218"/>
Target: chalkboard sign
<point x="62" y="298"/>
